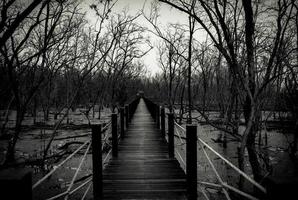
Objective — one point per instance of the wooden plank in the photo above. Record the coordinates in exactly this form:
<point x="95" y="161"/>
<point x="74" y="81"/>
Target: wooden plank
<point x="143" y="169"/>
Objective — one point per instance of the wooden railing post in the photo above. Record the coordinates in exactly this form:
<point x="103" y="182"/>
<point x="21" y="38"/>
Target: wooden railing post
<point x="191" y="161"/>
<point x="126" y="116"/>
<point x="163" y="122"/>
<point x="97" y="161"/>
<point x="171" y="134"/>
<point x="114" y="135"/>
<point x="122" y="122"/>
<point x="158" y="116"/>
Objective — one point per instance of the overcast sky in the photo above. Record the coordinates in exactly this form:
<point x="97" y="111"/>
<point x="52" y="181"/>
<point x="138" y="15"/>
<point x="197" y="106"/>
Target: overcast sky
<point x="167" y="15"/>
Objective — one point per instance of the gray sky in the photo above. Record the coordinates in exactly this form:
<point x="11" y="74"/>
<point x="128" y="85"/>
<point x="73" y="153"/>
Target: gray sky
<point x="167" y="15"/>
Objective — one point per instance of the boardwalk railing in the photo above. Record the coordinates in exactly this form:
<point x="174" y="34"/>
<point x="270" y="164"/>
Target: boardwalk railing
<point x="99" y="141"/>
<point x="188" y="137"/>
<point x="69" y="191"/>
<point x="119" y="123"/>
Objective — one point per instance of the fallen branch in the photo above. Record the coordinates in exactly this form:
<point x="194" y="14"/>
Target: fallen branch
<point x="74" y="136"/>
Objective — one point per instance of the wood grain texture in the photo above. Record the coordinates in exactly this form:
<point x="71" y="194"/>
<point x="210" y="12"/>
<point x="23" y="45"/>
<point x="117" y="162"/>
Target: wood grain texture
<point x="143" y="169"/>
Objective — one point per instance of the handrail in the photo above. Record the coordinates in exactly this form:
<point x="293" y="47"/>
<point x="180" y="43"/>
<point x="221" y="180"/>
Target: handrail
<point x="106" y="135"/>
<point x="183" y="162"/>
<point x="239" y="191"/>
<point x="105" y="132"/>
<point x="179" y="136"/>
<point x="216" y="173"/>
<point x="71" y="192"/>
<point x="104" y="161"/>
<point x="204" y="193"/>
<point x="228" y="162"/>
<point x="55" y="168"/>
<point x="86" y="191"/>
<point x="77" y="172"/>
<point x="108" y="124"/>
<point x="227" y="186"/>
<point x="234" y="167"/>
<point x="83" y="184"/>
<point x="223" y="186"/>
<point x="181" y="143"/>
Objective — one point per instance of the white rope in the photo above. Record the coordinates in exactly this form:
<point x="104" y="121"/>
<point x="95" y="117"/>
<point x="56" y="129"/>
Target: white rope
<point x="86" y="191"/>
<point x="233" y="166"/>
<point x="210" y="185"/>
<point x="107" y="156"/>
<point x="104" y="140"/>
<point x="216" y="173"/>
<point x="77" y="171"/>
<point x="57" y="196"/>
<point x="204" y="193"/>
<point x="182" y="128"/>
<point x="54" y="169"/>
<point x="248" y="196"/>
<point x="183" y="162"/>
<point x="227" y="186"/>
<point x="71" y="192"/>
<point x="229" y="163"/>
<point x="181" y="142"/>
<point x="80" y="186"/>
<point x="108" y="124"/>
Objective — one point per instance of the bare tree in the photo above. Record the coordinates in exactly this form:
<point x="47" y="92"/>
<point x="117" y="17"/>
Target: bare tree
<point x="25" y="61"/>
<point x="225" y="22"/>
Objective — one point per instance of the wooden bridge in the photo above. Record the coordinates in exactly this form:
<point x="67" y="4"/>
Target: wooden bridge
<point x="143" y="168"/>
<point x="143" y="164"/>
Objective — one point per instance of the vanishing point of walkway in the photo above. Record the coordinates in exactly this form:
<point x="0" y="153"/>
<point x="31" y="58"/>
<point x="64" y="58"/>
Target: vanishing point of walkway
<point x="143" y="169"/>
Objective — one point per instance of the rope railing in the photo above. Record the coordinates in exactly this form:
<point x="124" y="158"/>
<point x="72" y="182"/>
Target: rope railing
<point x="107" y="156"/>
<point x="77" y="172"/>
<point x="86" y="191"/>
<point x="181" y="147"/>
<point x="71" y="192"/>
<point x="106" y="136"/>
<point x="234" y="167"/>
<point x="70" y="156"/>
<point x="190" y="164"/>
<point x="107" y="131"/>
<point x="216" y="173"/>
<point x="68" y="191"/>
<point x="119" y="123"/>
<point x="58" y="166"/>
<point x="179" y="155"/>
<point x="222" y="185"/>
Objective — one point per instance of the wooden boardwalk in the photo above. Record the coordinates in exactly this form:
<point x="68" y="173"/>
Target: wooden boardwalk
<point x="143" y="169"/>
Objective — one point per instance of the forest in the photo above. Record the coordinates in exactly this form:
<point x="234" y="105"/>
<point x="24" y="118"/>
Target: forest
<point x="231" y="67"/>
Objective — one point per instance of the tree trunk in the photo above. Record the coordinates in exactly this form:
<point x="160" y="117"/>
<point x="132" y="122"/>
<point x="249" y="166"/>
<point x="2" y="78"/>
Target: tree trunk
<point x="99" y="109"/>
<point x="46" y="114"/>
<point x="251" y="102"/>
<point x="10" y="155"/>
<point x="191" y="31"/>
<point x="171" y="79"/>
<point x="240" y="152"/>
<point x="34" y="110"/>
<point x="7" y="112"/>
<point x="252" y="155"/>
<point x="294" y="146"/>
<point x="93" y="111"/>
<point x="181" y="104"/>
